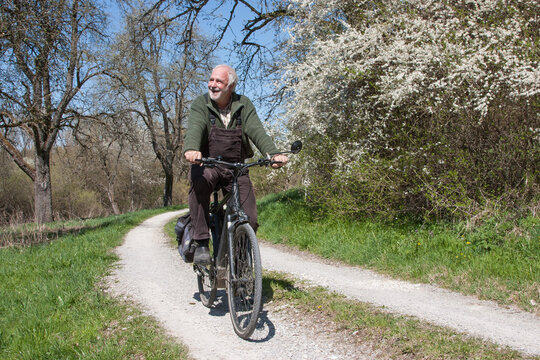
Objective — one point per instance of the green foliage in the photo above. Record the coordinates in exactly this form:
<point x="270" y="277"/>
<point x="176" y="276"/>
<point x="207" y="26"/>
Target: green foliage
<point x="426" y="108"/>
<point x="497" y="258"/>
<point x="267" y="181"/>
<point x="52" y="305"/>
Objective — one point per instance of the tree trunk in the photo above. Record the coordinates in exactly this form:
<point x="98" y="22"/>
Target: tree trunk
<point x="112" y="199"/>
<point x="42" y="188"/>
<point x="131" y="185"/>
<point x="167" y="191"/>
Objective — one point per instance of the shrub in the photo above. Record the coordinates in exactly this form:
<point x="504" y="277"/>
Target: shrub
<point x="423" y="107"/>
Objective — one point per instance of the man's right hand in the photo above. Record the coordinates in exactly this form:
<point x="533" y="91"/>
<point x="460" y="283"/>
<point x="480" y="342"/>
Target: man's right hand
<point x="192" y="156"/>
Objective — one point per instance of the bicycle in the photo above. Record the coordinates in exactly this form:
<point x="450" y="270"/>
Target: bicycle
<point x="235" y="257"/>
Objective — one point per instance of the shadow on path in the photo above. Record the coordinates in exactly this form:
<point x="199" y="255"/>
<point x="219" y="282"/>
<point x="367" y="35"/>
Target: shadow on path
<point x="265" y="329"/>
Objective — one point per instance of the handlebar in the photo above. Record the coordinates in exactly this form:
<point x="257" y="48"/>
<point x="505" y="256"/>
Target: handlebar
<point x="236" y="165"/>
<point x="295" y="148"/>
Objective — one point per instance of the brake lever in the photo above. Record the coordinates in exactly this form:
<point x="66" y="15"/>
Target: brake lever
<point x="275" y="162"/>
<point x="204" y="163"/>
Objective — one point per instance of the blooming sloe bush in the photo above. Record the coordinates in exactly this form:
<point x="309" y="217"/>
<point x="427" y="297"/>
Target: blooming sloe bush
<point x="423" y="106"/>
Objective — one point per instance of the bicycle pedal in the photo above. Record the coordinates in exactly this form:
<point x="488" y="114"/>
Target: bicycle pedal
<point x="200" y="271"/>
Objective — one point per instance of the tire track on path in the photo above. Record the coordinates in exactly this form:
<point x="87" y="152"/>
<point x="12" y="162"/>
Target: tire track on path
<point x="517" y="329"/>
<point x="152" y="274"/>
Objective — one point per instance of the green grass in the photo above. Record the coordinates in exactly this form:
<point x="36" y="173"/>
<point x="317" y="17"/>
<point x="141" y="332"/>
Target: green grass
<point x="498" y="260"/>
<point x="52" y="305"/>
<point x="169" y="231"/>
<point x="359" y="323"/>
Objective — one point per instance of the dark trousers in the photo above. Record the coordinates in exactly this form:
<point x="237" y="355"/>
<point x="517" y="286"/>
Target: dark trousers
<point x="203" y="182"/>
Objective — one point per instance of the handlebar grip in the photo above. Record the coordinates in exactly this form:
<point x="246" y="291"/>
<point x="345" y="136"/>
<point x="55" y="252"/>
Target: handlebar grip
<point x="275" y="162"/>
<point x="207" y="162"/>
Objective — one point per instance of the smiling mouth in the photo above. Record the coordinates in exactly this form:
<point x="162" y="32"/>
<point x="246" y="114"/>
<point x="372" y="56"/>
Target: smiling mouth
<point x="214" y="93"/>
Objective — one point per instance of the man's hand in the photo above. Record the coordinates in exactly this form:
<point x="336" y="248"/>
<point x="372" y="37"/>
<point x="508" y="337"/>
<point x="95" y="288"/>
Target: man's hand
<point x="192" y="155"/>
<point x="282" y="160"/>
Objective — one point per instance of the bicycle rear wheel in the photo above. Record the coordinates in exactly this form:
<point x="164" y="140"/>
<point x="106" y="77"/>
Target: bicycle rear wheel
<point x="206" y="281"/>
<point x="244" y="289"/>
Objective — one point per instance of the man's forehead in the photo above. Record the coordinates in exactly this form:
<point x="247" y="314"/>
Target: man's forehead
<point x="220" y="72"/>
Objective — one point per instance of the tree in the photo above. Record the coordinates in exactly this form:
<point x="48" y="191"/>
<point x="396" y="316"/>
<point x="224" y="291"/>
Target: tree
<point x="15" y="192"/>
<point x="159" y="72"/>
<point x="416" y="106"/>
<point x="103" y="145"/>
<point x="255" y="57"/>
<point x="46" y="57"/>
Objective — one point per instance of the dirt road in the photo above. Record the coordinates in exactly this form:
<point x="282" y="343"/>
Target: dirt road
<point x="152" y="274"/>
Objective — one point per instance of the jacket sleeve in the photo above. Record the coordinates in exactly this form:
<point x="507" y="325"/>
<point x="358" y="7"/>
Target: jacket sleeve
<point x="255" y="131"/>
<point x="197" y="126"/>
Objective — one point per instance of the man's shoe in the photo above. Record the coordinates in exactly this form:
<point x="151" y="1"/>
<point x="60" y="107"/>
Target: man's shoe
<point x="202" y="253"/>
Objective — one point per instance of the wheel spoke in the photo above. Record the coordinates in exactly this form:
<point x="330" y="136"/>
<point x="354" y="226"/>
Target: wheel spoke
<point x="245" y="285"/>
<point x="206" y="281"/>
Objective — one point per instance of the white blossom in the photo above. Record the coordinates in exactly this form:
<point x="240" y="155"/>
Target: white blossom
<point x="417" y="59"/>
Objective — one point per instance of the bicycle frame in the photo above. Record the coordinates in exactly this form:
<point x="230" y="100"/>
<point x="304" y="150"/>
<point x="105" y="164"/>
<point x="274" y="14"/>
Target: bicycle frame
<point x="234" y="213"/>
<point x="236" y="263"/>
<point x="231" y="215"/>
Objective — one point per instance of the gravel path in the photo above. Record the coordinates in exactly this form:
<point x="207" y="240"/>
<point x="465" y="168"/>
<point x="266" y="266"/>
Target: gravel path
<point x="152" y="274"/>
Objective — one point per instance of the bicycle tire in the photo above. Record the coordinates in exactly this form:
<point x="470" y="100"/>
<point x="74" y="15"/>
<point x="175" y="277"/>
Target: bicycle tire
<point x="245" y="292"/>
<point x="206" y="282"/>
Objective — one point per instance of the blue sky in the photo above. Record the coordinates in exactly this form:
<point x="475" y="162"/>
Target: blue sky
<point x="234" y="33"/>
<point x="209" y="27"/>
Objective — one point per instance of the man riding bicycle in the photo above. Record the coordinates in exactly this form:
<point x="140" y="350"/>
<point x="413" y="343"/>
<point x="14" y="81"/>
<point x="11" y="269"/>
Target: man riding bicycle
<point x="222" y="123"/>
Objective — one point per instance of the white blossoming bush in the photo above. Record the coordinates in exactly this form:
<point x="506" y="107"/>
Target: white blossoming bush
<point x="426" y="106"/>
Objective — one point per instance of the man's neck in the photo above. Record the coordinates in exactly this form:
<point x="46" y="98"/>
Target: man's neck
<point x="225" y="104"/>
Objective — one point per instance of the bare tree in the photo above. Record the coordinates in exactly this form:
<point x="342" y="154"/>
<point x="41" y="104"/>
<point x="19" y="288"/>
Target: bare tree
<point x="159" y="73"/>
<point x="45" y="59"/>
<point x="104" y="144"/>
<point x="257" y="26"/>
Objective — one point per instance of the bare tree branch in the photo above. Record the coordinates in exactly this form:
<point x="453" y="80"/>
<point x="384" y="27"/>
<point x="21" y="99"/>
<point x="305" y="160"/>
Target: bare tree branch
<point x="17" y="157"/>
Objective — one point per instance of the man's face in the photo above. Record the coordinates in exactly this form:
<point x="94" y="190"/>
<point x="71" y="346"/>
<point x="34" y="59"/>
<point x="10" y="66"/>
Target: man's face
<point x="218" y="86"/>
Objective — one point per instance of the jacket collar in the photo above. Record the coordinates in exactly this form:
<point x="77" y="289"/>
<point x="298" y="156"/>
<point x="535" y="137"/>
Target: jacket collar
<point x="236" y="105"/>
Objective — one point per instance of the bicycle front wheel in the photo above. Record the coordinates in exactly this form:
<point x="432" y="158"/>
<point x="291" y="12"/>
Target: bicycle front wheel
<point x="245" y="282"/>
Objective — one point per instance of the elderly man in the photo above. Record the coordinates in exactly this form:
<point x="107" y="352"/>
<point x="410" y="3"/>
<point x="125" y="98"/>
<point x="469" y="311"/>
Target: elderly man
<point x="221" y="123"/>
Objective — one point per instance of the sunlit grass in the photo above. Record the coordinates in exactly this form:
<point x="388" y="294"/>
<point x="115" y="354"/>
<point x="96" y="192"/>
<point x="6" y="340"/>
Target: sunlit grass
<point x="31" y="233"/>
<point x="53" y="306"/>
<point x="498" y="260"/>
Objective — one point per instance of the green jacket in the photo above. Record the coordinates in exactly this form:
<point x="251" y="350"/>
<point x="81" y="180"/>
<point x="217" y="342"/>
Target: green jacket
<point x="196" y="135"/>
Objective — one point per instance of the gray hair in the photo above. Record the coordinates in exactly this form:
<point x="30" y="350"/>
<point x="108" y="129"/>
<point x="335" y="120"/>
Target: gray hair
<point x="233" y="78"/>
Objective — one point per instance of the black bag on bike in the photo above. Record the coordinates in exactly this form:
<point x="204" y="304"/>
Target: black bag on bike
<point x="183" y="236"/>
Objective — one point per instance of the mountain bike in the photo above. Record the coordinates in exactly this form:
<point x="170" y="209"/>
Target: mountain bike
<point x="235" y="257"/>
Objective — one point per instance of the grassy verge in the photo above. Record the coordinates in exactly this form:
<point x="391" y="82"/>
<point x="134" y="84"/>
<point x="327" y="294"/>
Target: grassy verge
<point x="169" y="231"/>
<point x="53" y="307"/>
<point x="498" y="260"/>
<point x="359" y="323"/>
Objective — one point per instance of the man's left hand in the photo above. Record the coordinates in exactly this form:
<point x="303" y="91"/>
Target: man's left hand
<point x="282" y="160"/>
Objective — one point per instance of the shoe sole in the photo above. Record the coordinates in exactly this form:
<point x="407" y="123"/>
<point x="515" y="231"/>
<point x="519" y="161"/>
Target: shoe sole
<point x="202" y="261"/>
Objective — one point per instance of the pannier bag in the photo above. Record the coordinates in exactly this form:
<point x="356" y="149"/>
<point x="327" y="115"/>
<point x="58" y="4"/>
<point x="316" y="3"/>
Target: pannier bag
<point x="183" y="236"/>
